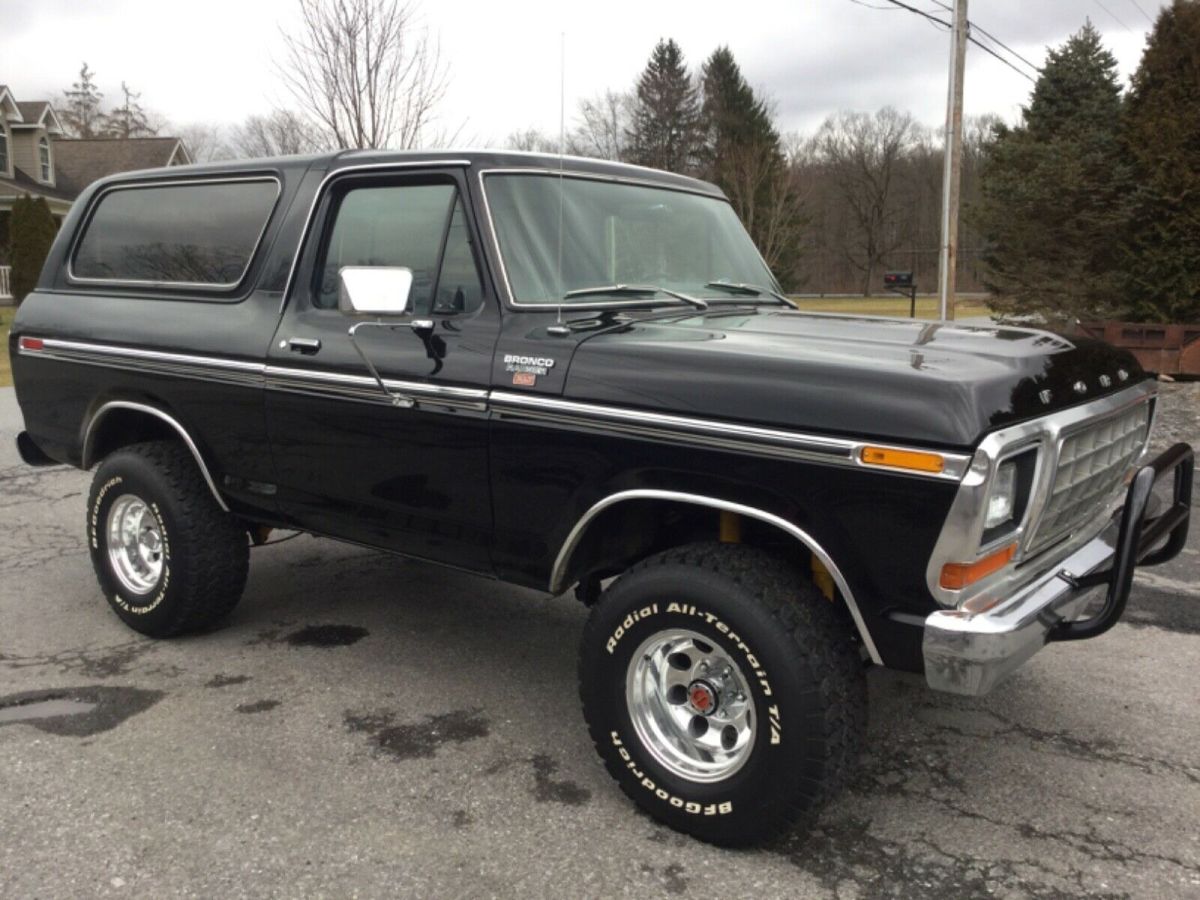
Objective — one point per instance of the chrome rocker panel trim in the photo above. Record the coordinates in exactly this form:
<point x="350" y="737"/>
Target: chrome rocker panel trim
<point x="558" y="573"/>
<point x="90" y="436"/>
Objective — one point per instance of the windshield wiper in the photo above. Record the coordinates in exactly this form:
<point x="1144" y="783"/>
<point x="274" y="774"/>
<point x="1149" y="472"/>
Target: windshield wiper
<point x="634" y="290"/>
<point x="749" y="290"/>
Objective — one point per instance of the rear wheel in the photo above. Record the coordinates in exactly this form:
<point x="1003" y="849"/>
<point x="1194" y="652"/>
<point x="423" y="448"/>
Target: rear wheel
<point x="167" y="557"/>
<point x="724" y="693"/>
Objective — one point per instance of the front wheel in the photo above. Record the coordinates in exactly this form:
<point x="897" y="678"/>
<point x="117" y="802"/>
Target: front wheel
<point x="167" y="557"/>
<point x="723" y="691"/>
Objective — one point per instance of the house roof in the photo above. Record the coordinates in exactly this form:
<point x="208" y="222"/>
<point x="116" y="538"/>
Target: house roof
<point x="80" y="162"/>
<point x="21" y="183"/>
<point x="39" y="112"/>
<point x="6" y="100"/>
<point x="32" y="110"/>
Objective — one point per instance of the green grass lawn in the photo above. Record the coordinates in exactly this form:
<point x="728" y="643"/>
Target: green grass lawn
<point x="6" y="317"/>
<point x="927" y="306"/>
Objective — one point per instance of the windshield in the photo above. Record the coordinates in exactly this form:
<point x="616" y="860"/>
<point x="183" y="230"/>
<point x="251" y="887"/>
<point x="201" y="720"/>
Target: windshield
<point x="616" y="234"/>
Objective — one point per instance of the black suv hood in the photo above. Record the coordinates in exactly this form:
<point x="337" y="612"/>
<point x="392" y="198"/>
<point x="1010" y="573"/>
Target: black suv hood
<point x="933" y="383"/>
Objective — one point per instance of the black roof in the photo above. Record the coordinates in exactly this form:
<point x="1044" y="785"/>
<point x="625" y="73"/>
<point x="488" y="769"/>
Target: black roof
<point x="476" y="159"/>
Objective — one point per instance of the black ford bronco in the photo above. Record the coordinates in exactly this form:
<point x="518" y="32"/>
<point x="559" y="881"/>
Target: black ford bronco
<point x="576" y="374"/>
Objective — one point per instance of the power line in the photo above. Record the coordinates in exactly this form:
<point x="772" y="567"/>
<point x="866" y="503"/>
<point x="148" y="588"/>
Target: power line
<point x="1113" y="16"/>
<point x="993" y="38"/>
<point x="988" y="50"/>
<point x="982" y="46"/>
<point x="1142" y="11"/>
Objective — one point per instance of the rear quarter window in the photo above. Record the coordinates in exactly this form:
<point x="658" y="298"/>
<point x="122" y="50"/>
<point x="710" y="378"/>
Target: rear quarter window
<point x="201" y="234"/>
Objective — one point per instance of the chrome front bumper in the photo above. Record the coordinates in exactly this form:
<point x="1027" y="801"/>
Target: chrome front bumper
<point x="968" y="653"/>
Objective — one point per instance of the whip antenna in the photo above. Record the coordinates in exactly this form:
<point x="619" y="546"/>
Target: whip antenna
<point x="558" y="328"/>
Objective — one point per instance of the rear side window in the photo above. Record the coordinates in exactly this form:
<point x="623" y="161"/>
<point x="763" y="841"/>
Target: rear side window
<point x="198" y="234"/>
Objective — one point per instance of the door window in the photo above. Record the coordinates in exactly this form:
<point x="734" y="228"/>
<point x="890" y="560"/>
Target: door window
<point x="422" y="227"/>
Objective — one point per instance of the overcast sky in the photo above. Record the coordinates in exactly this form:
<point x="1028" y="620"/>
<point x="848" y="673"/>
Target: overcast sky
<point x="212" y="61"/>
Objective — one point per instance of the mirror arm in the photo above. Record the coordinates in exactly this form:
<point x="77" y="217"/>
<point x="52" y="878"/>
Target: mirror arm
<point x="401" y="401"/>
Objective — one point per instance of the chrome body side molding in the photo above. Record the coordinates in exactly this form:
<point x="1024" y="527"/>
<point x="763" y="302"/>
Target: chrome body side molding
<point x="156" y="362"/>
<point x="90" y="438"/>
<point x="538" y="409"/>
<point x="558" y="574"/>
<point x="343" y="385"/>
<point x="713" y="433"/>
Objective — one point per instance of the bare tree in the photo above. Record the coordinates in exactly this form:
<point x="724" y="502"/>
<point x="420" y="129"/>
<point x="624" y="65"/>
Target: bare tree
<point x="365" y="71"/>
<point x="81" y="110"/>
<point x="531" y="139"/>
<point x="130" y="119"/>
<point x="768" y="197"/>
<point x="862" y="155"/>
<point x="281" y="133"/>
<point x="204" y="140"/>
<point x="603" y="123"/>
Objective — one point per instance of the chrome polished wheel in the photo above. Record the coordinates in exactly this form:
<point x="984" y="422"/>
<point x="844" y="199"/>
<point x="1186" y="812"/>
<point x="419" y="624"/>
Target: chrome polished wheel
<point x="690" y="705"/>
<point x="135" y="544"/>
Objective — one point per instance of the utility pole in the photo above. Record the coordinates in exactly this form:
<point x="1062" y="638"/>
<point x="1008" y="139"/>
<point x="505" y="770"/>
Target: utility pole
<point x="952" y="172"/>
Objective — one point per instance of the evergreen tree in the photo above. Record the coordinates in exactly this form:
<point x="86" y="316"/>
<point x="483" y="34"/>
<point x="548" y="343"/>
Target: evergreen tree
<point x="33" y="230"/>
<point x="1162" y="130"/>
<point x="743" y="155"/>
<point x="733" y="115"/>
<point x="665" y="132"/>
<point x="129" y="119"/>
<point x="81" y="114"/>
<point x="1055" y="191"/>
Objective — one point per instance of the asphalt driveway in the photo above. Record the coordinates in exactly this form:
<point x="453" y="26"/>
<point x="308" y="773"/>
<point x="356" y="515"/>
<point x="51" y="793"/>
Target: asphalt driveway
<point x="367" y="726"/>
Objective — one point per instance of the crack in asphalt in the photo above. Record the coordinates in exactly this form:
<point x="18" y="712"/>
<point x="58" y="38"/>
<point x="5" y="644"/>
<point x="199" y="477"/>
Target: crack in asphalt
<point x="926" y="775"/>
<point x="1094" y="750"/>
<point x="97" y="662"/>
<point x="24" y="485"/>
<point x="848" y="860"/>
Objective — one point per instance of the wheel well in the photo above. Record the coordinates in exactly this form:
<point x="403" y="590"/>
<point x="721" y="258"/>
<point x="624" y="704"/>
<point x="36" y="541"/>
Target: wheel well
<point x="625" y="529"/>
<point x="120" y="423"/>
<point x="121" y="427"/>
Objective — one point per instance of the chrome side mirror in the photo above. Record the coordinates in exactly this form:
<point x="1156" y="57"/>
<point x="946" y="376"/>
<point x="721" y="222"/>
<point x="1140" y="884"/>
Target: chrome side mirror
<point x="374" y="290"/>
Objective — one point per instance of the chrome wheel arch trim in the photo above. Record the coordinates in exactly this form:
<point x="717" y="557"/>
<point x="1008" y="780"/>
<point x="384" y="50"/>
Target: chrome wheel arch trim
<point x="558" y="573"/>
<point x="90" y="438"/>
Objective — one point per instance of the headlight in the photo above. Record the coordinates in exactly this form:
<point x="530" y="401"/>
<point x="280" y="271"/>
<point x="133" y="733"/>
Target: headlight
<point x="1003" y="498"/>
<point x="1008" y="496"/>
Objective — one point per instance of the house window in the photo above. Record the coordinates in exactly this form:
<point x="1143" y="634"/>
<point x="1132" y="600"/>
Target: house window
<point x="3" y="151"/>
<point x="44" y="158"/>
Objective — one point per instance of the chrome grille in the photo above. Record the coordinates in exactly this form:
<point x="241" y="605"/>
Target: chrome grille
<point x="1092" y="463"/>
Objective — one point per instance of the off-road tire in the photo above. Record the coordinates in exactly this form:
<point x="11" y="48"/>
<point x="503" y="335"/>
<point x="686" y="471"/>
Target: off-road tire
<point x="205" y="552"/>
<point x="809" y="689"/>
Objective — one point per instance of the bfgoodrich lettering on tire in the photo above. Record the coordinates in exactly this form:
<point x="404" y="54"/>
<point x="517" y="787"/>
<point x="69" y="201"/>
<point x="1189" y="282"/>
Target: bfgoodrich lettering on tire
<point x="168" y="559"/>
<point x="724" y="693"/>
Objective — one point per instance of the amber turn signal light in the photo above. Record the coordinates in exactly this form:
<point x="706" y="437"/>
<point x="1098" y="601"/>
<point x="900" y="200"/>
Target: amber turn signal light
<point x="956" y="576"/>
<point x="913" y="460"/>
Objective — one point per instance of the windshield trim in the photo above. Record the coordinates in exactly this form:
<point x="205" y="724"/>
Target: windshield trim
<point x="619" y="178"/>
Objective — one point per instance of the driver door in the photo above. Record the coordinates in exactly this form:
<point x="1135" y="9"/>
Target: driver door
<point x="405" y="469"/>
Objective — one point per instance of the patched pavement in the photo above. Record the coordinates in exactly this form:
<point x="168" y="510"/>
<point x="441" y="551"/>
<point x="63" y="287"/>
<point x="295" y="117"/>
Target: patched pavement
<point x="366" y="726"/>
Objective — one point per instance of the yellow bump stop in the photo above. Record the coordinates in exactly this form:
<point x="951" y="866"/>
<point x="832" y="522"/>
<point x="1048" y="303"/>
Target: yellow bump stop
<point x="821" y="578"/>
<point x="731" y="527"/>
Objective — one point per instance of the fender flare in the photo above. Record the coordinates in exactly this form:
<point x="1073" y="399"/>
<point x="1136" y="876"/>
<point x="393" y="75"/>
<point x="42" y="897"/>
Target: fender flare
<point x="559" y="573"/>
<point x="90" y="438"/>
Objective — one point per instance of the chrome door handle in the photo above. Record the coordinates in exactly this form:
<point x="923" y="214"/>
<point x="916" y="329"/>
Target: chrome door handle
<point x="304" y="345"/>
<point x="421" y="326"/>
